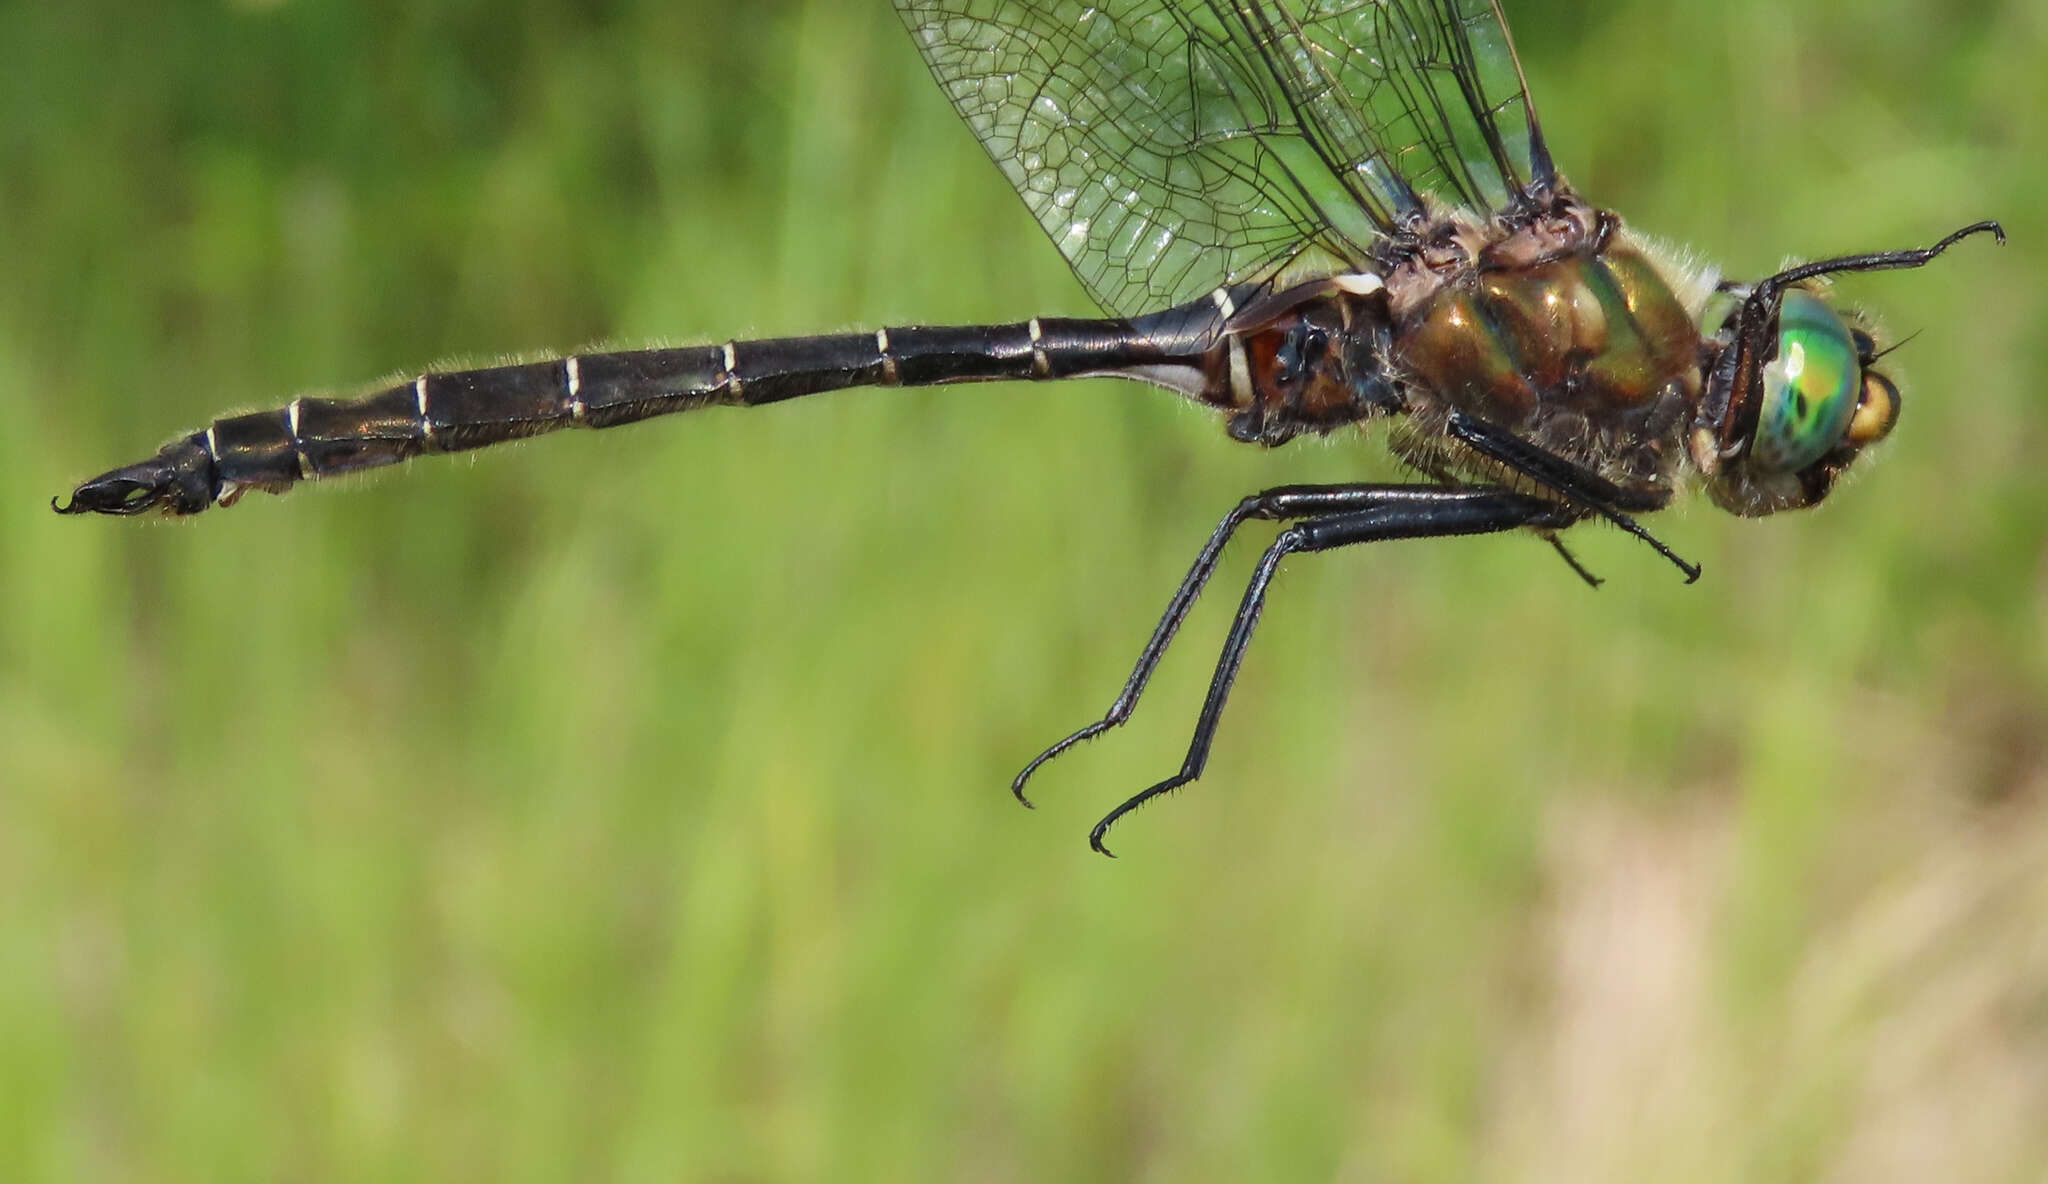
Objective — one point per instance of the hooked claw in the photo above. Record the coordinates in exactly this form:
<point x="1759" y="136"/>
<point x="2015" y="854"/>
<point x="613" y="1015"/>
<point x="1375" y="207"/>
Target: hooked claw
<point x="118" y="492"/>
<point x="178" y="479"/>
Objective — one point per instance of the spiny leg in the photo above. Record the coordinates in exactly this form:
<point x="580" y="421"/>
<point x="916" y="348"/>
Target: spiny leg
<point x="1582" y="486"/>
<point x="1572" y="561"/>
<point x="1386" y="512"/>
<point x="1284" y="503"/>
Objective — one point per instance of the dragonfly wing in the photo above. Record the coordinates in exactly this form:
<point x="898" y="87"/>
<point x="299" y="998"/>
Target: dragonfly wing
<point x="1409" y="96"/>
<point x="1172" y="146"/>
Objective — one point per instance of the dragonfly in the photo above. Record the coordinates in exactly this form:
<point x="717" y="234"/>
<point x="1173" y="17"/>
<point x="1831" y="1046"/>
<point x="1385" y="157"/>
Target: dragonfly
<point x="1308" y="216"/>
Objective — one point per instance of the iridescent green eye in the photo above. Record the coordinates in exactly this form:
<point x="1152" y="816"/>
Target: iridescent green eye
<point x="1810" y="389"/>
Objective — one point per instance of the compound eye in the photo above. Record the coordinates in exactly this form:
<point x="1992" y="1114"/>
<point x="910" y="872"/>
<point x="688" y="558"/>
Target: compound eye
<point x="1876" y="412"/>
<point x="1812" y="388"/>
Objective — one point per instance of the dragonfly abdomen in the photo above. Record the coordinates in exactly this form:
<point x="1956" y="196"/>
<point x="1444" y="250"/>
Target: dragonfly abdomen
<point x="312" y="438"/>
<point x="1318" y="364"/>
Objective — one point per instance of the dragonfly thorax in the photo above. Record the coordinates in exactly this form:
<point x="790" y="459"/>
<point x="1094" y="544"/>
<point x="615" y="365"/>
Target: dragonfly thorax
<point x="1588" y="354"/>
<point x="1558" y="329"/>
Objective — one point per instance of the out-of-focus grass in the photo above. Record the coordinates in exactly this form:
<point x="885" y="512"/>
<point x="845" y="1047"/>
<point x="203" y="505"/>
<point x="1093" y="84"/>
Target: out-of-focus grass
<point x="634" y="803"/>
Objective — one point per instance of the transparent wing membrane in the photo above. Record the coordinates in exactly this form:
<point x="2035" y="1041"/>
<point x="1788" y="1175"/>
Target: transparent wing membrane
<point x="1172" y="146"/>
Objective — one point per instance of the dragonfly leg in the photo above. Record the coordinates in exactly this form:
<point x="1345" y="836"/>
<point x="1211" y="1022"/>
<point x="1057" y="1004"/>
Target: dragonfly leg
<point x="1582" y="486"/>
<point x="1572" y="561"/>
<point x="1284" y="503"/>
<point x="1372" y="514"/>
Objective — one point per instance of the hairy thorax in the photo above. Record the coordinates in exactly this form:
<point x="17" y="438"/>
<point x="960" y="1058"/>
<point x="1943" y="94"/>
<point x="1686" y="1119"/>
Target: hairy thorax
<point x="1580" y="347"/>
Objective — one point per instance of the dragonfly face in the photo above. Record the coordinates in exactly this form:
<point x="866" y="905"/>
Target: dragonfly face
<point x="1818" y="406"/>
<point x="1308" y="215"/>
<point x="1793" y="394"/>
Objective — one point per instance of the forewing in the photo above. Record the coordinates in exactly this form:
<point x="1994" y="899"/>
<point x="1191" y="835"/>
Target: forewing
<point x="1417" y="95"/>
<point x="1172" y="146"/>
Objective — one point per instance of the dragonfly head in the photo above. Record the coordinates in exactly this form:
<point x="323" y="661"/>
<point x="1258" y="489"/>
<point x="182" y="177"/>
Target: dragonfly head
<point x="1801" y="411"/>
<point x="1791" y="397"/>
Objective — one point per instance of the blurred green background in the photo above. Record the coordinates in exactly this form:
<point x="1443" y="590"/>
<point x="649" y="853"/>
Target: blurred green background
<point x="633" y="804"/>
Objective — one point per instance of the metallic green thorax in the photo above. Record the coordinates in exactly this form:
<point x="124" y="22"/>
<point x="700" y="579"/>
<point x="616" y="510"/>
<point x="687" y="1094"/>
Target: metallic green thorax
<point x="1590" y="356"/>
<point x="1810" y="388"/>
